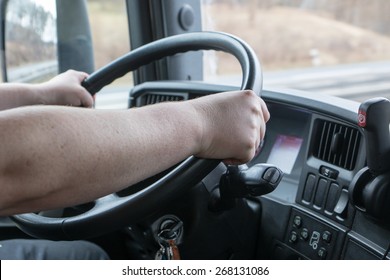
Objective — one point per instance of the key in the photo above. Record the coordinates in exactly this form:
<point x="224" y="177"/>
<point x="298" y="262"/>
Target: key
<point x="160" y="255"/>
<point x="174" y="249"/>
<point x="174" y="231"/>
<point x="165" y="252"/>
<point x="167" y="239"/>
<point x="168" y="249"/>
<point x="169" y="253"/>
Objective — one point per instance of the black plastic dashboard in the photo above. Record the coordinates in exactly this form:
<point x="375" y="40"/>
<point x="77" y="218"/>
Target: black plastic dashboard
<point x="316" y="141"/>
<point x="309" y="215"/>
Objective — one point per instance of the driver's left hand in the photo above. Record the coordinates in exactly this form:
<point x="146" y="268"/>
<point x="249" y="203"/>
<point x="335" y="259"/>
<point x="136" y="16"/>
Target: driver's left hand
<point x="66" y="89"/>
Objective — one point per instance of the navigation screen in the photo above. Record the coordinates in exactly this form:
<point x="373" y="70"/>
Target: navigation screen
<point x="285" y="152"/>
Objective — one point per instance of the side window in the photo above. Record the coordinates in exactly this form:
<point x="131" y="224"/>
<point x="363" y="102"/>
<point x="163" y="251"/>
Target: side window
<point x="45" y="37"/>
<point x="309" y="45"/>
<point x="30" y="41"/>
<point x="110" y="36"/>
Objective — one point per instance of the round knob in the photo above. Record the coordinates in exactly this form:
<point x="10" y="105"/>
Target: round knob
<point x="186" y="17"/>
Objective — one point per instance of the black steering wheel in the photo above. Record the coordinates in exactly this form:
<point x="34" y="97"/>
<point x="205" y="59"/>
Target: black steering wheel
<point x="113" y="212"/>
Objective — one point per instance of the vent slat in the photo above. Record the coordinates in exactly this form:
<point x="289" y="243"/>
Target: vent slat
<point x="355" y="149"/>
<point x="328" y="142"/>
<point x="321" y="141"/>
<point x="342" y="131"/>
<point x="148" y="99"/>
<point x="337" y="144"/>
<point x="348" y="140"/>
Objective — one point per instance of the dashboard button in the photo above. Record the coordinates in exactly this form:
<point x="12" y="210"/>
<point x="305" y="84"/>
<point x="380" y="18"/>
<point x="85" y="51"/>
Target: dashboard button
<point x="272" y="175"/>
<point x="305" y="234"/>
<point x="333" y="196"/>
<point x="342" y="203"/>
<point x="329" y="172"/>
<point x="322" y="253"/>
<point x="309" y="187"/>
<point x="320" y="193"/>
<point x="293" y="237"/>
<point x="297" y="221"/>
<point x="327" y="236"/>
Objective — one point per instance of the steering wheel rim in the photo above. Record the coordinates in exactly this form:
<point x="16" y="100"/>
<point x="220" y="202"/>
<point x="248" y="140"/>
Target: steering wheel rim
<point x="113" y="212"/>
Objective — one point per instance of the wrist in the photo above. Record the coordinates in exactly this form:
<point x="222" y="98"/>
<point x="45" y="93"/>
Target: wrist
<point x="199" y="112"/>
<point x="41" y="93"/>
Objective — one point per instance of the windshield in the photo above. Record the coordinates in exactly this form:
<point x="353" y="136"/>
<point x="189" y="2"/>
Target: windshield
<point x="334" y="47"/>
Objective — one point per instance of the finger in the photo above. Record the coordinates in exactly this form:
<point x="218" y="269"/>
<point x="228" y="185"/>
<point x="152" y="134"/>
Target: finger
<point x="264" y="109"/>
<point x="231" y="162"/>
<point x="82" y="76"/>
<point x="238" y="161"/>
<point x="262" y="130"/>
<point x="87" y="100"/>
<point x="79" y="75"/>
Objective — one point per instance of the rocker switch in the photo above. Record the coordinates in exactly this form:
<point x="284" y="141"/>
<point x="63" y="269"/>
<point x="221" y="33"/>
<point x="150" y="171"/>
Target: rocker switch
<point x="272" y="175"/>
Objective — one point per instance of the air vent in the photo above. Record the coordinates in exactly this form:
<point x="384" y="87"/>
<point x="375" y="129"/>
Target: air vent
<point x="153" y="98"/>
<point x="336" y="144"/>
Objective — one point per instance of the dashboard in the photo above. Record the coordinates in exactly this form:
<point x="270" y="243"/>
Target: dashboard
<point x="309" y="215"/>
<point x="317" y="143"/>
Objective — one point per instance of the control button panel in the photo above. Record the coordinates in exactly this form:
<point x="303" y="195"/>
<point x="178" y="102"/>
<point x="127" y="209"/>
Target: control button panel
<point x="310" y="237"/>
<point x="320" y="191"/>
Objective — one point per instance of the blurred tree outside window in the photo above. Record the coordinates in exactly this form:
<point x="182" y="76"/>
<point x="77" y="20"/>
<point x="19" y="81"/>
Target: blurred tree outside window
<point x="30" y="40"/>
<point x="110" y="36"/>
<point x="296" y="34"/>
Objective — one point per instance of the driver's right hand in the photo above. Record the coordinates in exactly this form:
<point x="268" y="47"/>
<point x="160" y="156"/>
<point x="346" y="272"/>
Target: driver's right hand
<point x="232" y="125"/>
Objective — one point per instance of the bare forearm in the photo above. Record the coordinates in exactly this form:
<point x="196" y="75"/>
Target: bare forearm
<point x="17" y="95"/>
<point x="53" y="157"/>
<point x="88" y="153"/>
<point x="64" y="89"/>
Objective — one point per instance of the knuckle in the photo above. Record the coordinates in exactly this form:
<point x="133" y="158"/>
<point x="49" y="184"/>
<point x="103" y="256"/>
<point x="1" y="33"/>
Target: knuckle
<point x="249" y="92"/>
